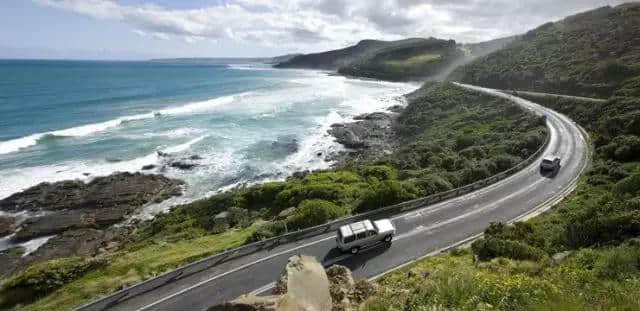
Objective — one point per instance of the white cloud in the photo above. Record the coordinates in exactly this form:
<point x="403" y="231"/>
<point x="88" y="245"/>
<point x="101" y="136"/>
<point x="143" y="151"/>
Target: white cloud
<point x="309" y="25"/>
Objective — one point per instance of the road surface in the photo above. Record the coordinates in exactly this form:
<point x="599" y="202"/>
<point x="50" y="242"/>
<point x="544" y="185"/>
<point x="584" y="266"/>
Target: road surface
<point x="419" y="232"/>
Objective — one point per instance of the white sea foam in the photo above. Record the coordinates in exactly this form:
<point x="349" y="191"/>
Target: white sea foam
<point x="32" y="245"/>
<point x="14" y="145"/>
<point x="185" y="146"/>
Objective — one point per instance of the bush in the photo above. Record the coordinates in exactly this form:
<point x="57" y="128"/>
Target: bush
<point x="602" y="229"/>
<point x="433" y="183"/>
<point x="619" y="263"/>
<point x="520" y="231"/>
<point x="267" y="231"/>
<point x="386" y="193"/>
<point x="43" y="278"/>
<point x="628" y="186"/>
<point x="381" y="172"/>
<point x="313" y="212"/>
<point x="489" y="247"/>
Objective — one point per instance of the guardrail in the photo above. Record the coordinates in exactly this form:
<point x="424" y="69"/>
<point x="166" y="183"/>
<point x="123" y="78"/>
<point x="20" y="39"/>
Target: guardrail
<point x="206" y="263"/>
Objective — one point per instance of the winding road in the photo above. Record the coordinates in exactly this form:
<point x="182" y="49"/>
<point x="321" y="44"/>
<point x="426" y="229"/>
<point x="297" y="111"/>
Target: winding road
<point x="420" y="233"/>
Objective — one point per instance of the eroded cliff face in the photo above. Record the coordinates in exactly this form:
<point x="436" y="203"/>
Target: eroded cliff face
<point x="305" y="286"/>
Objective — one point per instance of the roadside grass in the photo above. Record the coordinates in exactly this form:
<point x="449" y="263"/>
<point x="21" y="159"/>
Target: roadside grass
<point x="129" y="267"/>
<point x="455" y="282"/>
<point x="414" y="60"/>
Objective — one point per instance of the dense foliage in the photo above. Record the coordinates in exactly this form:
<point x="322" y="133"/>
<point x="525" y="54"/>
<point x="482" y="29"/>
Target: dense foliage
<point x="589" y="54"/>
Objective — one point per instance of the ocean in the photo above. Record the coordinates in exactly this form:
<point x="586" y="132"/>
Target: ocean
<point x="239" y="123"/>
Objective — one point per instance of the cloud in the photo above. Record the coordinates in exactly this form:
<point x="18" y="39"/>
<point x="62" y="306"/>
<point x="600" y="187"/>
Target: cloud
<point x="309" y="25"/>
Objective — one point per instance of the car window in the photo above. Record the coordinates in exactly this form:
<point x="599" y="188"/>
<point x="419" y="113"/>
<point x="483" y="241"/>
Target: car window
<point x="372" y="233"/>
<point x="361" y="235"/>
<point x="349" y="239"/>
<point x="546" y="161"/>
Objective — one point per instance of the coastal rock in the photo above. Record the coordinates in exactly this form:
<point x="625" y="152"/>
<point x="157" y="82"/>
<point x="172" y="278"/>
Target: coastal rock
<point x="122" y="190"/>
<point x="70" y="219"/>
<point x="8" y="224"/>
<point x="10" y="259"/>
<point x="396" y="108"/>
<point x="185" y="166"/>
<point x="81" y="242"/>
<point x="148" y="167"/>
<point x="371" y="135"/>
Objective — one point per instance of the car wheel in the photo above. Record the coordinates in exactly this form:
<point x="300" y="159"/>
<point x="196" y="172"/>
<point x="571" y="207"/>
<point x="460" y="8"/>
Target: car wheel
<point x="355" y="250"/>
<point x="388" y="238"/>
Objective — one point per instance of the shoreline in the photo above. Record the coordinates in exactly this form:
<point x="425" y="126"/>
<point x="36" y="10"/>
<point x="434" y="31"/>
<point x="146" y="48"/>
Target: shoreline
<point x="333" y="158"/>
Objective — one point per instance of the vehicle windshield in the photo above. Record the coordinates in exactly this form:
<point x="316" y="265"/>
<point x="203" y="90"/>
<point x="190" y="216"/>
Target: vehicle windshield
<point x="546" y="161"/>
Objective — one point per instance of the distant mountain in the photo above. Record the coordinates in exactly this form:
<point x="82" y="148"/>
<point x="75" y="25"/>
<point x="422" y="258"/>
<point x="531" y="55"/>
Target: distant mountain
<point x="588" y="54"/>
<point x="409" y="59"/>
<point x="332" y="60"/>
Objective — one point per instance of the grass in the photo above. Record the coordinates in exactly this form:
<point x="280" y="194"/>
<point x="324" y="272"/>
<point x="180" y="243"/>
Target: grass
<point x="455" y="282"/>
<point x="132" y="266"/>
<point x="414" y="60"/>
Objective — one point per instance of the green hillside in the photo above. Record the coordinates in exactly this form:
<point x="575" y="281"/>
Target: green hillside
<point x="588" y="54"/>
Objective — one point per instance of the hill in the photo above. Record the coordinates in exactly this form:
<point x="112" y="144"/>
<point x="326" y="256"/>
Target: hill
<point x="414" y="60"/>
<point x="334" y="59"/>
<point x="588" y="54"/>
<point x="402" y="60"/>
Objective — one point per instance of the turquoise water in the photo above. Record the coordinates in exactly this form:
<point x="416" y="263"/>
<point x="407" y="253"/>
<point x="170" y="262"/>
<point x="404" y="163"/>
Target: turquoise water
<point x="247" y="122"/>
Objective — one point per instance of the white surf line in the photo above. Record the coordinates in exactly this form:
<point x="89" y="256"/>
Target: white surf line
<point x="439" y="206"/>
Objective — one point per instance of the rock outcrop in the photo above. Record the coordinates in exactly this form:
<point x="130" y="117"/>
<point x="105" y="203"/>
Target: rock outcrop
<point x="305" y="286"/>
<point x="79" y="215"/>
<point x="8" y="224"/>
<point x="122" y="190"/>
<point x="371" y="135"/>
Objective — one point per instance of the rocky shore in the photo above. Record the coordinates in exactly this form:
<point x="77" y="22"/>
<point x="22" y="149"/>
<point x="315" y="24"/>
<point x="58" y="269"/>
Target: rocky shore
<point x="76" y="218"/>
<point x="370" y="135"/>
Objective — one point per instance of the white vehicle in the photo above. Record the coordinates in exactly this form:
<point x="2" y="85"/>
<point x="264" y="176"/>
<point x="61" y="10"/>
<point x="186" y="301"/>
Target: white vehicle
<point x="359" y="234"/>
<point x="550" y="163"/>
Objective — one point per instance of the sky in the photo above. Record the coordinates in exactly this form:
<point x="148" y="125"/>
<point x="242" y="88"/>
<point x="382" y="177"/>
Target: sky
<point x="143" y="29"/>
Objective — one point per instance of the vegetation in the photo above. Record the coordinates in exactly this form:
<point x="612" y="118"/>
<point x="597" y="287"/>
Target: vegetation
<point x="135" y="263"/>
<point x="436" y="157"/>
<point x="403" y="60"/>
<point x="590" y="279"/>
<point x="588" y="54"/>
<point x="414" y="61"/>
<point x="595" y="229"/>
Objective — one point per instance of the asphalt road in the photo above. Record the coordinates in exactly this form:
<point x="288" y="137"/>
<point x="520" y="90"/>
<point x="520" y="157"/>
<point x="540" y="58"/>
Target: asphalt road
<point x="419" y="233"/>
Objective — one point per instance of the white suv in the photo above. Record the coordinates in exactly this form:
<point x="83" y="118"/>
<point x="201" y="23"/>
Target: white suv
<point x="359" y="234"/>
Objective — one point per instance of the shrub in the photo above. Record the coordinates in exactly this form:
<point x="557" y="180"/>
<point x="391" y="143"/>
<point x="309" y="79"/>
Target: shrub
<point x="619" y="263"/>
<point x="490" y="247"/>
<point x="519" y="231"/>
<point x="475" y="173"/>
<point x="602" y="229"/>
<point x="433" y="183"/>
<point x="262" y="195"/>
<point x="386" y="193"/>
<point x="266" y="231"/>
<point x="313" y="212"/>
<point x="43" y="278"/>
<point x="504" y="162"/>
<point x="629" y="185"/>
<point x="381" y="172"/>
